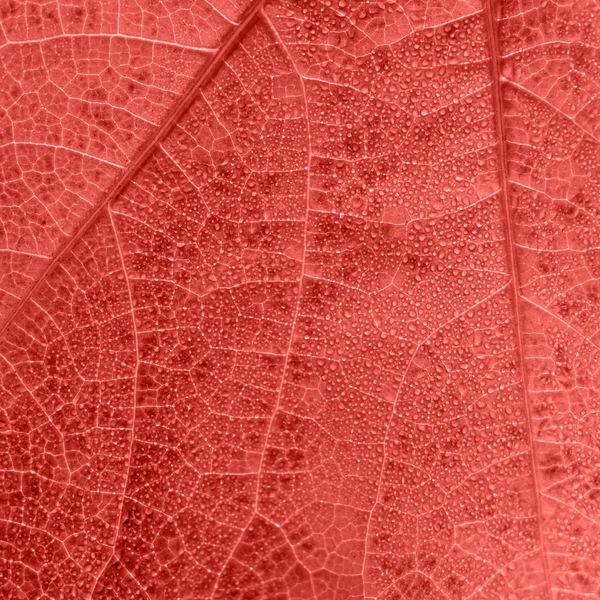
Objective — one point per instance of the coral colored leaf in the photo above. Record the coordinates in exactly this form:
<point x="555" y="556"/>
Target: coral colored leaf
<point x="299" y="300"/>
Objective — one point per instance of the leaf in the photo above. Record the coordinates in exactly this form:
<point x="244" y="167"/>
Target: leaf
<point x="301" y="300"/>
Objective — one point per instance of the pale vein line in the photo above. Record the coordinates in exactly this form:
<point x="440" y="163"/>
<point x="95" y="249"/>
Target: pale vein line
<point x="111" y="36"/>
<point x="547" y="103"/>
<point x="134" y="408"/>
<point x="67" y="149"/>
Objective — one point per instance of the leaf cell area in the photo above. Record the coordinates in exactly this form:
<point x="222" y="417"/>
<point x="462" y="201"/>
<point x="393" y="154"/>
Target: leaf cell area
<point x="299" y="299"/>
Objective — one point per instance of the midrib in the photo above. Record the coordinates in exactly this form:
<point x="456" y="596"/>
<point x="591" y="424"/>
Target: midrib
<point x="491" y="27"/>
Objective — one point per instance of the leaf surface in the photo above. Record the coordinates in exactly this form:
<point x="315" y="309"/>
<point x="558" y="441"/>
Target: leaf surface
<point x="301" y="300"/>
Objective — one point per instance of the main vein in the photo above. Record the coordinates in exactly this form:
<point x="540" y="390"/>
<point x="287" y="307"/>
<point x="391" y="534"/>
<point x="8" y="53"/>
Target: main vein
<point x="491" y="26"/>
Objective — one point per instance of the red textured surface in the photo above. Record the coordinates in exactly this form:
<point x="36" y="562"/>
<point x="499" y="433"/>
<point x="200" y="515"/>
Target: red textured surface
<point x="299" y="300"/>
